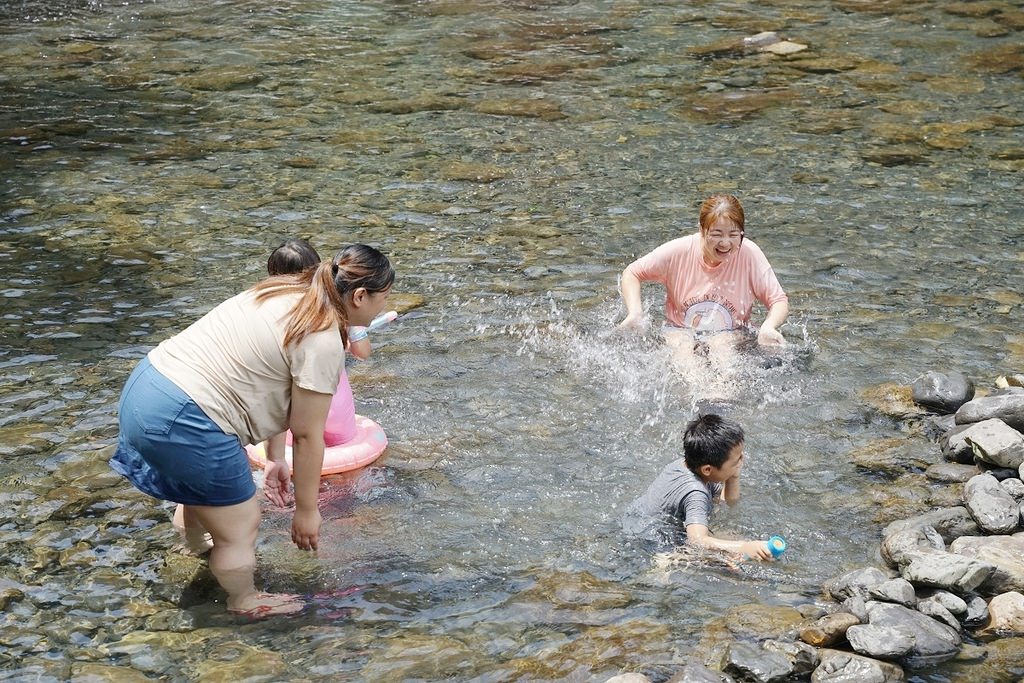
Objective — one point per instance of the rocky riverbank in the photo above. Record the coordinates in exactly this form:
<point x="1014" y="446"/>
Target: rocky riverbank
<point x="950" y="588"/>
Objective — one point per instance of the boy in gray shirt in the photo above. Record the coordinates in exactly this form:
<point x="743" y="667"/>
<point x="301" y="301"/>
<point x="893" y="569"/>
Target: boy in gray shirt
<point x="709" y="470"/>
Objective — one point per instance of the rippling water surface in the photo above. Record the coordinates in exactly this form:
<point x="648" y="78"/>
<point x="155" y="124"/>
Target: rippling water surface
<point x="512" y="158"/>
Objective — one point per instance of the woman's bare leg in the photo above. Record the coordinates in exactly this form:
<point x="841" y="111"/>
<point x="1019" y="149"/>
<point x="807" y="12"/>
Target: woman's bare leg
<point x="233" y="557"/>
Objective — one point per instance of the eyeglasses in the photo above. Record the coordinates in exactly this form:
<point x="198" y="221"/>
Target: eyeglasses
<point x="718" y="236"/>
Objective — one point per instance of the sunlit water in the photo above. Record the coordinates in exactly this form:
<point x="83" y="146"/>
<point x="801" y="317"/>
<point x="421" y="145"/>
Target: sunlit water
<point x="511" y="158"/>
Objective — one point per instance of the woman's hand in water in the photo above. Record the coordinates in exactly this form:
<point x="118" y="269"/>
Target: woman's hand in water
<point x="306" y="528"/>
<point x="276" y="480"/>
<point x="769" y="336"/>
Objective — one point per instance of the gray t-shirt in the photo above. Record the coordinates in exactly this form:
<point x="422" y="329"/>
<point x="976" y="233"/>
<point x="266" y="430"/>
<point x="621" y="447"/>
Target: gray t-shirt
<point x="678" y="492"/>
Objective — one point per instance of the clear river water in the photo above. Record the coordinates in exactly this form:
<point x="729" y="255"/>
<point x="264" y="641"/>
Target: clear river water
<point x="511" y="158"/>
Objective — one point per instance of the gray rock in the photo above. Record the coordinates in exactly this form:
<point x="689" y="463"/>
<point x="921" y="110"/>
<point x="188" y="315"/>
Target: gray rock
<point x="842" y="667"/>
<point x="899" y="548"/>
<point x="990" y="505"/>
<point x="1006" y="614"/>
<point x="954" y="603"/>
<point x="1015" y="487"/>
<point x="748" y="662"/>
<point x="977" y="611"/>
<point x="829" y="629"/>
<point x="629" y="678"/>
<point x="1007" y="407"/>
<point x="948" y="571"/>
<point x="1004" y="553"/>
<point x="936" y="610"/>
<point x="933" y="642"/>
<point x="942" y="392"/>
<point x="934" y="426"/>
<point x="857" y="607"/>
<point x="896" y="590"/>
<point x="996" y="443"/>
<point x="951" y="523"/>
<point x="955" y="447"/>
<point x="853" y="583"/>
<point x="695" y="672"/>
<point x="951" y="472"/>
<point x="803" y="657"/>
<point x="882" y="642"/>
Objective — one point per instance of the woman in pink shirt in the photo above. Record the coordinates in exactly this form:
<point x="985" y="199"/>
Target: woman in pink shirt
<point x="711" y="278"/>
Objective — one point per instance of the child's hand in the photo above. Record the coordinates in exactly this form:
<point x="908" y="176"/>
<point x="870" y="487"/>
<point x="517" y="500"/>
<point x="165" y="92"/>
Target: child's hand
<point x="276" y="478"/>
<point x="757" y="550"/>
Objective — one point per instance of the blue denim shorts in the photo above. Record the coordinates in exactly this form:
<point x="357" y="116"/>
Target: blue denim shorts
<point x="169" y="449"/>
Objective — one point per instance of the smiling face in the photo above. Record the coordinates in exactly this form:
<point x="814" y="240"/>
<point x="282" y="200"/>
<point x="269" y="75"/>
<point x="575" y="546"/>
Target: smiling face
<point x="720" y="241"/>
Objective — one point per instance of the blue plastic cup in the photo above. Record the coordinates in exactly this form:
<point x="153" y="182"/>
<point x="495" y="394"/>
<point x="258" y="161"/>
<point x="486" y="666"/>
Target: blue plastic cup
<point x="777" y="545"/>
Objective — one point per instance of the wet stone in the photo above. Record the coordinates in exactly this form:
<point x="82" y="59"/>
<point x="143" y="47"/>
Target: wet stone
<point x="943" y="392"/>
<point x="1004" y="553"/>
<point x="844" y="667"/>
<point x="950" y="473"/>
<point x="990" y="505"/>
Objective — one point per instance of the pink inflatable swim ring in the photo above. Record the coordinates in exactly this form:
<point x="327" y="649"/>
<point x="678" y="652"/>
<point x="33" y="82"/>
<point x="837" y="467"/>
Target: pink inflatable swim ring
<point x="362" y="449"/>
<point x="351" y="441"/>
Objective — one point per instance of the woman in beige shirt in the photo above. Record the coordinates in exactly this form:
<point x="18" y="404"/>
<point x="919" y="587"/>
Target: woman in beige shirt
<point x="262" y="362"/>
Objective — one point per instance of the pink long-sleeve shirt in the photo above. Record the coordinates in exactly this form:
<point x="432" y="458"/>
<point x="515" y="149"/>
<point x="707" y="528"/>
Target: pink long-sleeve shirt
<point x="708" y="298"/>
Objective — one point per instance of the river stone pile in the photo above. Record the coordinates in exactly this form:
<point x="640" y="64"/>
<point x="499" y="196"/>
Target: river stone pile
<point x="952" y="574"/>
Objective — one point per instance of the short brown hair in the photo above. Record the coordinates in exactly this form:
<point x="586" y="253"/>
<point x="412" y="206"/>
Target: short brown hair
<point x="721" y="206"/>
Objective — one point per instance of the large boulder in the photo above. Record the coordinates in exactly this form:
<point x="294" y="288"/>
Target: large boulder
<point x="951" y="523"/>
<point x="1004" y="553"/>
<point x="933" y="642"/>
<point x="995" y="510"/>
<point x="942" y="392"/>
<point x="1007" y="407"/>
<point x="843" y="667"/>
<point x="881" y="642"/>
<point x="899" y="548"/>
<point x="997" y="443"/>
<point x="948" y="571"/>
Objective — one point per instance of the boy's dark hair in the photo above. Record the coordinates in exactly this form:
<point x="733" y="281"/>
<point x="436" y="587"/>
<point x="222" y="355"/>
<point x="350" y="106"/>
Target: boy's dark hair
<point x="293" y="256"/>
<point x="709" y="439"/>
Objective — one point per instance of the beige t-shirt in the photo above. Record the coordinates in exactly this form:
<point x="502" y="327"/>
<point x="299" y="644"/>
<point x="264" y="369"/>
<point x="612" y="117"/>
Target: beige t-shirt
<point x="233" y="364"/>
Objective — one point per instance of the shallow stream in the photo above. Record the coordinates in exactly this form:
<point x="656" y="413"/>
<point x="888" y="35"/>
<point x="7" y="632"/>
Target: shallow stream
<point x="512" y="158"/>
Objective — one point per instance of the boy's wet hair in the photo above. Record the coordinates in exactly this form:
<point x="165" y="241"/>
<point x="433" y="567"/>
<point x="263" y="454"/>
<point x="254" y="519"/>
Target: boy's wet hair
<point x="293" y="256"/>
<point x="709" y="439"/>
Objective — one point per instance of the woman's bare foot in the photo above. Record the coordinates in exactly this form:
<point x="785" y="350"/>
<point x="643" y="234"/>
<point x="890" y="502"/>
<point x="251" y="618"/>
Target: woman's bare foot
<point x="262" y="605"/>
